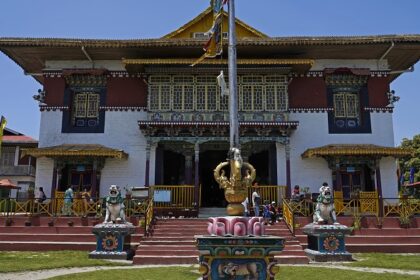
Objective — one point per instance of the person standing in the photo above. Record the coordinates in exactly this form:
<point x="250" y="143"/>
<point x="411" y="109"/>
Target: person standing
<point x="68" y="202"/>
<point x="40" y="196"/>
<point x="256" y="199"/>
<point x="245" y="204"/>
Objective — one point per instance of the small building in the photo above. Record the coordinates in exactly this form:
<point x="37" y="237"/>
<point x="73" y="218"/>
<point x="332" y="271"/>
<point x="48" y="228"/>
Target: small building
<point x="135" y="113"/>
<point x="20" y="170"/>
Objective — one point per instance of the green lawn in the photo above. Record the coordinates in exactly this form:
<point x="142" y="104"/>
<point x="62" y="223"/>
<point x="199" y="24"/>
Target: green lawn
<point x="22" y="261"/>
<point x="395" y="261"/>
<point x="190" y="273"/>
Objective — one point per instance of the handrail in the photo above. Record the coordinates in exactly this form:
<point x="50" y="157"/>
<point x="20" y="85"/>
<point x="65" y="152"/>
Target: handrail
<point x="149" y="218"/>
<point x="288" y="216"/>
<point x="173" y="196"/>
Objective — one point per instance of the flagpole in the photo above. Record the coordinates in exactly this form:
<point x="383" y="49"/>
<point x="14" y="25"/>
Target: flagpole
<point x="233" y="96"/>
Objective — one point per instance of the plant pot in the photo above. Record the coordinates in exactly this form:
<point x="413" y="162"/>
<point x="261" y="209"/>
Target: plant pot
<point x="51" y="223"/>
<point x="28" y="223"/>
<point x="84" y="221"/>
<point x="404" y="225"/>
<point x="8" y="222"/>
<point x="70" y="223"/>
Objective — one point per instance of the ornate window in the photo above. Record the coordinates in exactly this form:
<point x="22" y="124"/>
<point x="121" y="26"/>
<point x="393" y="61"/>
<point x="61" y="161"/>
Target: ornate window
<point x="85" y="109"/>
<point x="160" y="93"/>
<point x="7" y="156"/>
<point x="201" y="93"/>
<point x="347" y="93"/>
<point x="276" y="93"/>
<point x="84" y="95"/>
<point x="251" y="93"/>
<point x="183" y="90"/>
<point x="346" y="105"/>
<point x="206" y="93"/>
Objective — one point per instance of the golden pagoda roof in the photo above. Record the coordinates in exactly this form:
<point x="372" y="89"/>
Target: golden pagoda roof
<point x="75" y="150"/>
<point x="356" y="150"/>
<point x="209" y="12"/>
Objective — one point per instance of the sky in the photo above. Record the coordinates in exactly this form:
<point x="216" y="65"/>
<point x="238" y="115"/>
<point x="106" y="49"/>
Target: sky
<point x="133" y="19"/>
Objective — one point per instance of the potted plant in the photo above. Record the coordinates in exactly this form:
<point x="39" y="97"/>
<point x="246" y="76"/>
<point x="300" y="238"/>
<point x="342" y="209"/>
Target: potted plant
<point x="31" y="192"/>
<point x="8" y="221"/>
<point x="307" y="194"/>
<point x="128" y="192"/>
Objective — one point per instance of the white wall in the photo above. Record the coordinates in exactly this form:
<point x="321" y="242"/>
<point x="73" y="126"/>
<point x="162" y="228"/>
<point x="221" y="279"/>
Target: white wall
<point x="44" y="174"/>
<point x="389" y="178"/>
<point x="312" y="132"/>
<point x="121" y="132"/>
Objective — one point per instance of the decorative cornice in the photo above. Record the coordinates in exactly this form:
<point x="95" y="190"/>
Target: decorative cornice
<point x="310" y="110"/>
<point x="82" y="80"/>
<point x="240" y="61"/>
<point x="123" y="74"/>
<point x="218" y="123"/>
<point x="52" y="108"/>
<point x="379" y="74"/>
<point x="346" y="80"/>
<point x="311" y="74"/>
<point x="122" y="108"/>
<point x="379" y="109"/>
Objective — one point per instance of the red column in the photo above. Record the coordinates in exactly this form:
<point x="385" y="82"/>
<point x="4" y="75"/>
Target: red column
<point x="196" y="173"/>
<point x="288" y="176"/>
<point x="147" y="168"/>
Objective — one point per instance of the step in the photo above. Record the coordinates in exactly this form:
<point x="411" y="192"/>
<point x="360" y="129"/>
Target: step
<point x="165" y="259"/>
<point x="163" y="252"/>
<point x="292" y="259"/>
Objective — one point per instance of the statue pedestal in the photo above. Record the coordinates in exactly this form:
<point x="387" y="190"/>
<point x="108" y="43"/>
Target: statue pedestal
<point x="230" y="256"/>
<point x="326" y="243"/>
<point x="113" y="241"/>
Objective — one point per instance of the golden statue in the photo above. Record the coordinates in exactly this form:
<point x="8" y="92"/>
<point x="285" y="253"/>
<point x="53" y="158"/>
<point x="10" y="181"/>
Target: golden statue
<point x="236" y="188"/>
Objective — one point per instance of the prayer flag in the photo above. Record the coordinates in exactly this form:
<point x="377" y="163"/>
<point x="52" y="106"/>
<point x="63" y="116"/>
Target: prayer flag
<point x="222" y="84"/>
<point x="3" y="123"/>
<point x="412" y="171"/>
<point x="213" y="46"/>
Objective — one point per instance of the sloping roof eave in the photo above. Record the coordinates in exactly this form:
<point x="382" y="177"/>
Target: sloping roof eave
<point x="356" y="150"/>
<point x="75" y="150"/>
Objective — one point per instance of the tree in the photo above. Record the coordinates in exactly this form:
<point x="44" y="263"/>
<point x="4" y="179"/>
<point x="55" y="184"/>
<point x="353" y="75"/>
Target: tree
<point x="407" y="163"/>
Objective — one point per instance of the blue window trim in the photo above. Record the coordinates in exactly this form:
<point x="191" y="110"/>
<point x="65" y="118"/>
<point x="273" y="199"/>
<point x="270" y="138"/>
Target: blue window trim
<point x="67" y="126"/>
<point x="365" y="123"/>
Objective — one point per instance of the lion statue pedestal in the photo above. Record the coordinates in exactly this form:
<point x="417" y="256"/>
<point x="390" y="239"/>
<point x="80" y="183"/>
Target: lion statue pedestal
<point x="113" y="236"/>
<point x="237" y="248"/>
<point x="326" y="237"/>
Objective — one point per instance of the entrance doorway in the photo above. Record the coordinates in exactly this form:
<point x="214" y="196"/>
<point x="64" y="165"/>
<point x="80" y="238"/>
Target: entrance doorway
<point x="211" y="194"/>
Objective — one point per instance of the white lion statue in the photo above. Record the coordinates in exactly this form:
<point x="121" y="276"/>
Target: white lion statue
<point x="114" y="206"/>
<point x="325" y="210"/>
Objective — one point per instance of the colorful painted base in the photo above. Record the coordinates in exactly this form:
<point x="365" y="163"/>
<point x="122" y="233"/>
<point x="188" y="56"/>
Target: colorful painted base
<point x="238" y="257"/>
<point x="327" y="242"/>
<point x="113" y="241"/>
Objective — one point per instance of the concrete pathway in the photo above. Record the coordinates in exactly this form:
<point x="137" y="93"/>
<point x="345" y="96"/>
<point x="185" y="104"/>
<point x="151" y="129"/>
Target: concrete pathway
<point x="45" y="274"/>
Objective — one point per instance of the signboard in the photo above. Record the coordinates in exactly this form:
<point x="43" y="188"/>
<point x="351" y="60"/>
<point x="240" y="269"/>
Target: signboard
<point x="351" y="169"/>
<point x="162" y="196"/>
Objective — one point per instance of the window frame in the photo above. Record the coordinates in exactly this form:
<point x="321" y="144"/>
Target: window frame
<point x="68" y="123"/>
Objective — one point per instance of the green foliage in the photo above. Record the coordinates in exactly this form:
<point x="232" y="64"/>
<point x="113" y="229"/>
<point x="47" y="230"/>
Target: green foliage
<point x="173" y="273"/>
<point x="414" y="161"/>
<point x="23" y="261"/>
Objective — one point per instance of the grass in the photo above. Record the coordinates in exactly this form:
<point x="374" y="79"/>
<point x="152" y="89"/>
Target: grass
<point x="24" y="261"/>
<point x="158" y="273"/>
<point x="380" y="260"/>
<point x="190" y="273"/>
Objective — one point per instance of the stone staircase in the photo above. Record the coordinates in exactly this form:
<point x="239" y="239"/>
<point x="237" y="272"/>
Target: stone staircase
<point x="67" y="233"/>
<point x="173" y="243"/>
